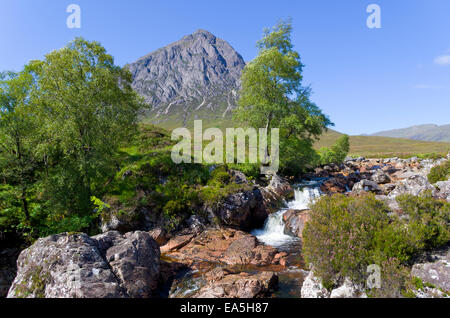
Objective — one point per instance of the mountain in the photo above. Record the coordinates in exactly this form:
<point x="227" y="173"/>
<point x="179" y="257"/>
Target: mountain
<point x="197" y="77"/>
<point x="421" y="132"/>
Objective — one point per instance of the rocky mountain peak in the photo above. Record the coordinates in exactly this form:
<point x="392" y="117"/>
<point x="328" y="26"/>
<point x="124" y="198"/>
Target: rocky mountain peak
<point x="195" y="77"/>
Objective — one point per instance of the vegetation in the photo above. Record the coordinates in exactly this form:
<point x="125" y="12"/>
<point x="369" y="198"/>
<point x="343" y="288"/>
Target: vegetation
<point x="337" y="153"/>
<point x="62" y="121"/>
<point x="347" y="234"/>
<point x="439" y="173"/>
<point x="272" y="96"/>
<point x="386" y="147"/>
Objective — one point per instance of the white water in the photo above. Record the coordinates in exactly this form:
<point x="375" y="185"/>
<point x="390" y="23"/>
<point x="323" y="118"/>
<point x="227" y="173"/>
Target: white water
<point x="273" y="231"/>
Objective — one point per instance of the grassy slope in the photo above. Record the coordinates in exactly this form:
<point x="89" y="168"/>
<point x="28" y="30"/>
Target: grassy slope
<point x="371" y="146"/>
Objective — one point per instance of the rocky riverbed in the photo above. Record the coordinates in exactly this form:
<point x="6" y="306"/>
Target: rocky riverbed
<point x="244" y="256"/>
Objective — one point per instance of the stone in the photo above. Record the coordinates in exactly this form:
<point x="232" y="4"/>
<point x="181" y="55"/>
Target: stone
<point x="176" y="243"/>
<point x="312" y="287"/>
<point x="159" y="235"/>
<point x="380" y="177"/>
<point x="295" y="221"/>
<point x="442" y="190"/>
<point x="366" y="186"/>
<point x="110" y="265"/>
<point x="436" y="272"/>
<point x="347" y="290"/>
<point x="414" y="185"/>
<point x="223" y="284"/>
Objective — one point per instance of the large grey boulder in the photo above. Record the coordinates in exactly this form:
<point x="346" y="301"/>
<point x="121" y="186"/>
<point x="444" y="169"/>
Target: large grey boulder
<point x="110" y="265"/>
<point x="414" y="185"/>
<point x="380" y="177"/>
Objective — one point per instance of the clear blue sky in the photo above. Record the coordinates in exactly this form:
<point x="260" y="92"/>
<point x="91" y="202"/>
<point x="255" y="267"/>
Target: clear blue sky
<point x="366" y="80"/>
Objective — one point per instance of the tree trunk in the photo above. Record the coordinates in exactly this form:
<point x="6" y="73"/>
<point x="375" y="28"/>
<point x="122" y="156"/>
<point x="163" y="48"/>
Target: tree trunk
<point x="25" y="204"/>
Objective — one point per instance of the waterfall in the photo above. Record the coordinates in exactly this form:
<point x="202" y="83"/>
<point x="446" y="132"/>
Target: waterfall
<point x="273" y="231"/>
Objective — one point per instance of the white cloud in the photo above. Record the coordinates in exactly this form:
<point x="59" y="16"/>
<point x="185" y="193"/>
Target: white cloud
<point x="442" y="60"/>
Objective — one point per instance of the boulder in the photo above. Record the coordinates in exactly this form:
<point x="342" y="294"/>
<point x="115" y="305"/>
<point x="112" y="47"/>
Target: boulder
<point x="225" y="246"/>
<point x="159" y="235"/>
<point x="110" y="265"/>
<point x="348" y="290"/>
<point x="312" y="287"/>
<point x="295" y="221"/>
<point x="414" y="185"/>
<point x="280" y="187"/>
<point x="224" y="284"/>
<point x="243" y="210"/>
<point x="436" y="272"/>
<point x="442" y="190"/>
<point x="366" y="186"/>
<point x="380" y="177"/>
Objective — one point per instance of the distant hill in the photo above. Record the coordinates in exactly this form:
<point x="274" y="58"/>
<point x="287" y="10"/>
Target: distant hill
<point x="197" y="77"/>
<point x="376" y="146"/>
<point x="421" y="132"/>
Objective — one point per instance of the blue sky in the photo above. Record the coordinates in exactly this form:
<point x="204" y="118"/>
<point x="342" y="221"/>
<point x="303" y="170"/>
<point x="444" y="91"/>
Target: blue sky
<point x="366" y="80"/>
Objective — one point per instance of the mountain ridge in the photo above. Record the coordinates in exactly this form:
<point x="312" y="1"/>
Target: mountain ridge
<point x="426" y="132"/>
<point x="196" y="77"/>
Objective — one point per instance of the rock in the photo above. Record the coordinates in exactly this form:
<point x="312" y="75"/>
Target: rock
<point x="159" y="235"/>
<point x="436" y="272"/>
<point x="225" y="246"/>
<point x="110" y="265"/>
<point x="366" y="186"/>
<point x="347" y="290"/>
<point x="238" y="177"/>
<point x="312" y="287"/>
<point x="387" y="188"/>
<point x="380" y="177"/>
<point x="8" y="269"/>
<point x="295" y="221"/>
<point x="280" y="187"/>
<point x="334" y="185"/>
<point x="134" y="260"/>
<point x="442" y="190"/>
<point x="223" y="284"/>
<point x="414" y="185"/>
<point x="126" y="220"/>
<point x="176" y="243"/>
<point x="242" y="210"/>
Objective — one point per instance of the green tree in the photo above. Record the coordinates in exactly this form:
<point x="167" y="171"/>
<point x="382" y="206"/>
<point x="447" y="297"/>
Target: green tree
<point x="87" y="109"/>
<point x="18" y="164"/>
<point x="337" y="153"/>
<point x="272" y="96"/>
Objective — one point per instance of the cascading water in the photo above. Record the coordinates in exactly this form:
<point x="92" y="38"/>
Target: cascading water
<point x="273" y="232"/>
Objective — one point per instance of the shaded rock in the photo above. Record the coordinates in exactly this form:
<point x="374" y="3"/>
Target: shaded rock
<point x="243" y="210"/>
<point x="281" y="187"/>
<point x="8" y="269"/>
<point x="110" y="265"/>
<point x="312" y="287"/>
<point x="159" y="235"/>
<point x="295" y="221"/>
<point x="223" y="284"/>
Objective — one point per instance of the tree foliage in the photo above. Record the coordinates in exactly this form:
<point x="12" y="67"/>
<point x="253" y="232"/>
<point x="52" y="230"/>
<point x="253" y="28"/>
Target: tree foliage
<point x="273" y="96"/>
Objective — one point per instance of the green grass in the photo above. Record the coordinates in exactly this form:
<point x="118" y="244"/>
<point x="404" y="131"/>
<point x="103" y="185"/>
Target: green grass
<point x="383" y="147"/>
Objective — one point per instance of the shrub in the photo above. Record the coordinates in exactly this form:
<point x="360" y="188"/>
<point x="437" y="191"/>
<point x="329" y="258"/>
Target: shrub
<point x="439" y="173"/>
<point x="337" y="153"/>
<point x="346" y="234"/>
